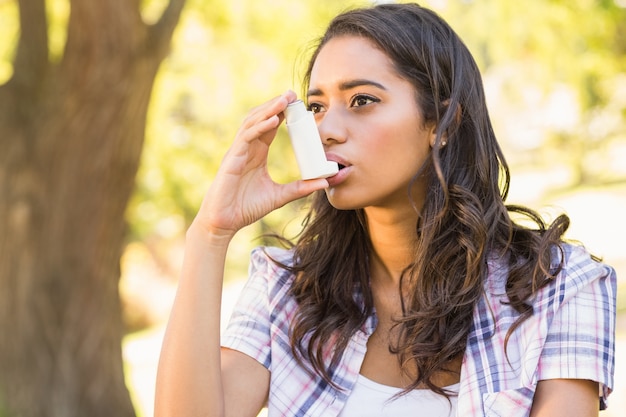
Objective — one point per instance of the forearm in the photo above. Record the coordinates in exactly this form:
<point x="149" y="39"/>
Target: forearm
<point x="189" y="377"/>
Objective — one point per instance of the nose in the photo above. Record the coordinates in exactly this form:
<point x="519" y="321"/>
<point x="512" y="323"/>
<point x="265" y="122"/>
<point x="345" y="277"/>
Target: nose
<point x="332" y="126"/>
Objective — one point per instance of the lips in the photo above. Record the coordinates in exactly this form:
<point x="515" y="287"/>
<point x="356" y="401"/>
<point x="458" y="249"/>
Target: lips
<point x="338" y="159"/>
<point x="344" y="169"/>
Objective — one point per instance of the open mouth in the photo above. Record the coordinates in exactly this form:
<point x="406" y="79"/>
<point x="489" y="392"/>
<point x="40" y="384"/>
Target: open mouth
<point x="341" y="166"/>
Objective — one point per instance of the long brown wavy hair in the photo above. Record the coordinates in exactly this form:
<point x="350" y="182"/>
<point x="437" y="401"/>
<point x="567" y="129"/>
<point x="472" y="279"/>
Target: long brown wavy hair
<point x="463" y="221"/>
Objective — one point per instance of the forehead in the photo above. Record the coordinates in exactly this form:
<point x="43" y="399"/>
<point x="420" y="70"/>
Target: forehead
<point x="350" y="57"/>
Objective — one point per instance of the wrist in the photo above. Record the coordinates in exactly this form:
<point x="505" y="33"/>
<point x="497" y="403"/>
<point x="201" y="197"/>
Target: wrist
<point x="196" y="233"/>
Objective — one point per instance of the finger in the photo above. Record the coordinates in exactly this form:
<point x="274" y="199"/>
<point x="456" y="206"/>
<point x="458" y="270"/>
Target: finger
<point x="290" y="96"/>
<point x="262" y="123"/>
<point x="269" y="109"/>
<point x="301" y="188"/>
<point x="268" y="118"/>
<point x="260" y="129"/>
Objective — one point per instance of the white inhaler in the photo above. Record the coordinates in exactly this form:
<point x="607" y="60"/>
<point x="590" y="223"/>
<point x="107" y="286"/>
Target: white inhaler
<point x="307" y="144"/>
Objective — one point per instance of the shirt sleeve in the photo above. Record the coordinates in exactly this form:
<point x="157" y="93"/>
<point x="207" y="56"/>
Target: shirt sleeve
<point x="248" y="330"/>
<point x="580" y="343"/>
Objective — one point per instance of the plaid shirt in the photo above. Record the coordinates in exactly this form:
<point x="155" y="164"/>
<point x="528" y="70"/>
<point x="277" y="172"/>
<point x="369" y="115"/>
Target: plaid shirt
<point x="570" y="335"/>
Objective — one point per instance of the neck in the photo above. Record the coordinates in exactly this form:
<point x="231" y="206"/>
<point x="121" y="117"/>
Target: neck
<point x="393" y="238"/>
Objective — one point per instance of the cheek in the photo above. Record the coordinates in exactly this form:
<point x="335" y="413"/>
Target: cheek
<point x="395" y="147"/>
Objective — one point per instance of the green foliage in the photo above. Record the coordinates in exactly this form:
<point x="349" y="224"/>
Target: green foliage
<point x="555" y="70"/>
<point x="9" y="30"/>
<point x="58" y="15"/>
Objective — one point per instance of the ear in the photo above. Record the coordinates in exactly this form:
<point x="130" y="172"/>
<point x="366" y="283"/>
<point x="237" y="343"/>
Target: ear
<point x="444" y="138"/>
<point x="432" y="134"/>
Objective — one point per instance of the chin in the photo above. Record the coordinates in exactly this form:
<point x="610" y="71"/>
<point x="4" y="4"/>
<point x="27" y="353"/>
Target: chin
<point x="341" y="202"/>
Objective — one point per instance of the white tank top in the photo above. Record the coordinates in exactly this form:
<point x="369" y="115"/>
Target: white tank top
<point x="371" y="399"/>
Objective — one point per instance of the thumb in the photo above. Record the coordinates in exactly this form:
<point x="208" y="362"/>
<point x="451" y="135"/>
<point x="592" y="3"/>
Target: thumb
<point x="301" y="188"/>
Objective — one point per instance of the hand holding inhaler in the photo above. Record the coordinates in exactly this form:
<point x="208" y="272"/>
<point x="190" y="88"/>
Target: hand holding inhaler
<point x="307" y="144"/>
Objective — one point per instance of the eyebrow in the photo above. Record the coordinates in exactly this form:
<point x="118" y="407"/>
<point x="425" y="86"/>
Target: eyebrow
<point x="348" y="85"/>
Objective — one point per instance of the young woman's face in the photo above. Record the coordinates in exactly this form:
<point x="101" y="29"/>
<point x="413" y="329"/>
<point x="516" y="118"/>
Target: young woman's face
<point x="370" y="123"/>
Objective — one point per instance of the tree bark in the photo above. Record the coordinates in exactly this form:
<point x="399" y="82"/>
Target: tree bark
<point x="71" y="136"/>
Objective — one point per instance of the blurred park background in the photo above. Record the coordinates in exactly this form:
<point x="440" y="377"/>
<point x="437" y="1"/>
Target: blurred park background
<point x="81" y="83"/>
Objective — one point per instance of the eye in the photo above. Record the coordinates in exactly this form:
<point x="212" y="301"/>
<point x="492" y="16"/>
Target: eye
<point x="315" y="107"/>
<point x="363" y="100"/>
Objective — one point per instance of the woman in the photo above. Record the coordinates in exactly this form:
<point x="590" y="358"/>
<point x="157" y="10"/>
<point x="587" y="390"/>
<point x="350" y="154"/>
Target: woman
<point x="410" y="287"/>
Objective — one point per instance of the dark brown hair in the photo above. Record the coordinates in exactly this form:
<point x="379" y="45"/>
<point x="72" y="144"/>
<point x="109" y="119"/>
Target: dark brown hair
<point x="464" y="219"/>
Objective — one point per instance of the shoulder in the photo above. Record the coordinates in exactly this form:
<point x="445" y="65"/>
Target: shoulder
<point x="579" y="271"/>
<point x="580" y="299"/>
<point x="581" y="274"/>
<point x="575" y="308"/>
<point x="265" y="294"/>
<point x="270" y="261"/>
<point x="269" y="269"/>
<point x="261" y="255"/>
<point x="579" y="262"/>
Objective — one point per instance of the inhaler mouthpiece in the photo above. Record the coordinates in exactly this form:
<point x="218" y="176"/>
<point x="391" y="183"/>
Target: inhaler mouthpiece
<point x="307" y="144"/>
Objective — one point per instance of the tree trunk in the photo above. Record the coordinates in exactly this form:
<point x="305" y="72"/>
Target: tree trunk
<point x="70" y="142"/>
